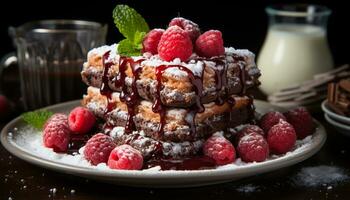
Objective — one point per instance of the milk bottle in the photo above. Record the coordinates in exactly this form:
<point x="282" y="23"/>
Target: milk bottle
<point x="295" y="47"/>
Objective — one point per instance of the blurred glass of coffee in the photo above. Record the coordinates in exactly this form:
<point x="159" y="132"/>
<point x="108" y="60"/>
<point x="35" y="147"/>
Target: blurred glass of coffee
<point x="50" y="55"/>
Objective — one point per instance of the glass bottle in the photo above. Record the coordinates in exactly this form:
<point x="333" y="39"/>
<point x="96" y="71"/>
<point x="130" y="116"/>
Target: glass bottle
<point x="296" y="46"/>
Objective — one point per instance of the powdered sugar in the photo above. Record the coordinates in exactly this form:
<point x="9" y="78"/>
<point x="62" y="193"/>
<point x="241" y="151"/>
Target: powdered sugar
<point x="113" y="55"/>
<point x="245" y="53"/>
<point x="240" y="52"/>
<point x="322" y="175"/>
<point x="249" y="188"/>
<point x="172" y="149"/>
<point x="219" y="134"/>
<point x="196" y="66"/>
<point x="251" y="139"/>
<point x="117" y="132"/>
<point x="99" y="51"/>
<point x="30" y="140"/>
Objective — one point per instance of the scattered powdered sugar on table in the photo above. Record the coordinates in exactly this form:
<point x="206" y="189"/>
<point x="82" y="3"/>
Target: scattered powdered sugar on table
<point x="322" y="175"/>
<point x="53" y="191"/>
<point x="249" y="188"/>
<point x="30" y="140"/>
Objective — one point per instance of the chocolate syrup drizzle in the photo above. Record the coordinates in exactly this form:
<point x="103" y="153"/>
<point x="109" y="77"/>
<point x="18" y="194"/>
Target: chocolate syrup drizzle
<point x="131" y="98"/>
<point x="243" y="79"/>
<point x="196" y="81"/>
<point x="105" y="89"/>
<point x="193" y="163"/>
<point x="242" y="72"/>
<point x="220" y="79"/>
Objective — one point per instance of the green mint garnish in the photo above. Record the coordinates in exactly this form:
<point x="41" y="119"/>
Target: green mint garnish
<point x="127" y="48"/>
<point x="138" y="38"/>
<point x="133" y="27"/>
<point x="37" y="119"/>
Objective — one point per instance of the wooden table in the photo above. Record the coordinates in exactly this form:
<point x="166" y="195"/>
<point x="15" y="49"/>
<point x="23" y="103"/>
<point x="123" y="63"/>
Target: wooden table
<point x="21" y="180"/>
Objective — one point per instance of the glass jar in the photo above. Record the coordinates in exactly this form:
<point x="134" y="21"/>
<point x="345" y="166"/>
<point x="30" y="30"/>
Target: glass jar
<point x="296" y="46"/>
<point x="50" y="56"/>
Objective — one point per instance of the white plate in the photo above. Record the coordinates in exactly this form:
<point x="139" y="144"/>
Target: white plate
<point x="334" y="115"/>
<point x="342" y="128"/>
<point x="161" y="178"/>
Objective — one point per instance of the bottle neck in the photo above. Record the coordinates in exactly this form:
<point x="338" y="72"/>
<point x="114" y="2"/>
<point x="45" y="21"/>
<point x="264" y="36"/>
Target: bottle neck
<point x="303" y="15"/>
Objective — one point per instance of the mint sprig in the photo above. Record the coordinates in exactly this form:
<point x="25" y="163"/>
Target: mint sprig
<point x="37" y="119"/>
<point x="133" y="27"/>
<point x="127" y="48"/>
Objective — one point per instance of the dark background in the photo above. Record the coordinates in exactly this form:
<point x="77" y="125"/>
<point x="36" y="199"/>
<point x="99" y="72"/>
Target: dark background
<point x="243" y="23"/>
<point x="244" y="26"/>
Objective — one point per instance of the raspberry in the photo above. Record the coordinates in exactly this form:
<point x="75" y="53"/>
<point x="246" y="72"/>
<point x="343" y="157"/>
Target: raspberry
<point x="57" y="117"/>
<point x="270" y="119"/>
<point x="302" y="121"/>
<point x="189" y="26"/>
<point x="220" y="149"/>
<point x="98" y="148"/>
<point x="250" y="129"/>
<point x="210" y="44"/>
<point x="175" y="43"/>
<point x="81" y="120"/>
<point x="281" y="137"/>
<point x="125" y="157"/>
<point x="253" y="148"/>
<point x="151" y="41"/>
<point x="57" y="133"/>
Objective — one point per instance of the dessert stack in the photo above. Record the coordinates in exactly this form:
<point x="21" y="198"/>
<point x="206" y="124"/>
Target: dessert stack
<point x="337" y="106"/>
<point x="182" y="88"/>
<point x="339" y="96"/>
<point x="175" y="99"/>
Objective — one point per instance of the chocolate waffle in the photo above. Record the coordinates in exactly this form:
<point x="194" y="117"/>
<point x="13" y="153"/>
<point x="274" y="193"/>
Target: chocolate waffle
<point x="221" y="76"/>
<point x="168" y="109"/>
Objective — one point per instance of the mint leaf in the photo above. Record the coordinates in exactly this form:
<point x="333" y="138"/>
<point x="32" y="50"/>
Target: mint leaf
<point x="37" y="119"/>
<point x="138" y="38"/>
<point x="129" y="21"/>
<point x="133" y="27"/>
<point x="128" y="48"/>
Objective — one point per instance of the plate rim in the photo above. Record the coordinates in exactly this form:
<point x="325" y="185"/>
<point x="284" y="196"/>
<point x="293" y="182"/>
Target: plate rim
<point x="333" y="114"/>
<point x="335" y="123"/>
<point x="226" y="173"/>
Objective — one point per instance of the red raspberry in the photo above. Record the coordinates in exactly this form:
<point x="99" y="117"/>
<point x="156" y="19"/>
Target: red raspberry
<point x="220" y="149"/>
<point x="151" y="41"/>
<point x="210" y="44"/>
<point x="175" y="43"/>
<point x="253" y="148"/>
<point x="57" y="133"/>
<point x="57" y="117"/>
<point x="98" y="148"/>
<point x="125" y="157"/>
<point x="302" y="121"/>
<point x="270" y="119"/>
<point x="250" y="129"/>
<point x="189" y="26"/>
<point x="281" y="137"/>
<point x="81" y="120"/>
